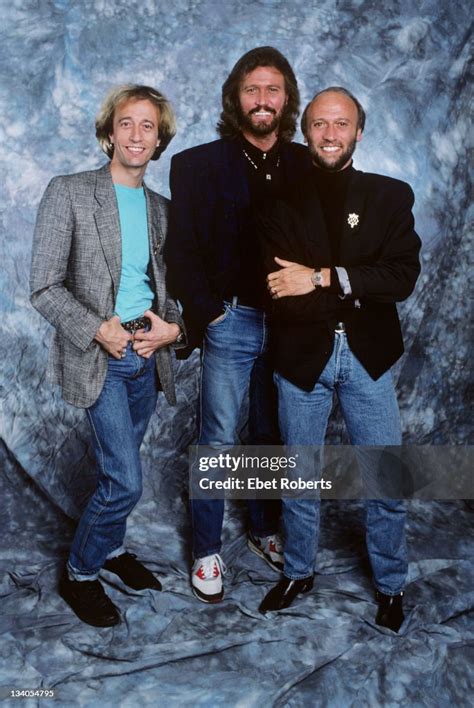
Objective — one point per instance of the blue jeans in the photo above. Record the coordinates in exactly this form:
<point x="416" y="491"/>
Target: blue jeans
<point x="234" y="361"/>
<point x="372" y="417"/>
<point x="118" y="420"/>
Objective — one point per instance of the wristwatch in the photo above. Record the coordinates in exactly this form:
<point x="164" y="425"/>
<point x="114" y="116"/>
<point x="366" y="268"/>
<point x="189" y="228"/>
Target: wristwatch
<point x="180" y="338"/>
<point x="317" y="278"/>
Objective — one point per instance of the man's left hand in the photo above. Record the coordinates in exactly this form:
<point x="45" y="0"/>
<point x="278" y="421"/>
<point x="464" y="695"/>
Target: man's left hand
<point x="160" y="335"/>
<point x="293" y="279"/>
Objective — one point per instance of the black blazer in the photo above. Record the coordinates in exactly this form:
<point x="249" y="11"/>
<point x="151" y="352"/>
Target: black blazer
<point x="380" y="254"/>
<point x="209" y="212"/>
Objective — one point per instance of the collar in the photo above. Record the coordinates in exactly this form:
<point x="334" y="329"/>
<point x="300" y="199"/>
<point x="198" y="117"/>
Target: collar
<point x="327" y="180"/>
<point x="258" y="157"/>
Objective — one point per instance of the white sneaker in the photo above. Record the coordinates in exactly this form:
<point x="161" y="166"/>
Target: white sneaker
<point x="270" y="548"/>
<point x="206" y="578"/>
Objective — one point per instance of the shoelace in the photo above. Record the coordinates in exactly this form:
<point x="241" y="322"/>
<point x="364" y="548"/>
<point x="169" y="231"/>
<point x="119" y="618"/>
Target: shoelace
<point x="276" y="541"/>
<point x="210" y="566"/>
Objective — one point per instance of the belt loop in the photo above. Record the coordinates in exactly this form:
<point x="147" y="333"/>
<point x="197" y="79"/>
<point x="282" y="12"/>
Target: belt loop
<point x="235" y="300"/>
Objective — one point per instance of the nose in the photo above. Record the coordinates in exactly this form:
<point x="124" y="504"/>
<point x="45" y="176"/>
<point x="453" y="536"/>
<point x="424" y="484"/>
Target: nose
<point x="329" y="133"/>
<point x="135" y="134"/>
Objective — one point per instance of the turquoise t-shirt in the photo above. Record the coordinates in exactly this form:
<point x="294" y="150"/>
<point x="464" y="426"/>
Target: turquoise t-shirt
<point x="134" y="295"/>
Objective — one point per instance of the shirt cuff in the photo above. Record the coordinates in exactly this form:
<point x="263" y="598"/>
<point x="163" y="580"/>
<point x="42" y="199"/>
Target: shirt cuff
<point x="344" y="282"/>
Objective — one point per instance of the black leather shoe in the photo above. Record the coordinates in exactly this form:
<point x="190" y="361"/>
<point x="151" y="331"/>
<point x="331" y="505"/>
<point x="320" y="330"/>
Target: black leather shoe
<point x="390" y="612"/>
<point x="283" y="594"/>
<point x="132" y="572"/>
<point x="89" y="601"/>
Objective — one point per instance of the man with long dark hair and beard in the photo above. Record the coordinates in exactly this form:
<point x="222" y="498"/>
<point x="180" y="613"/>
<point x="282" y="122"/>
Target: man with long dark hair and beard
<point x="215" y="270"/>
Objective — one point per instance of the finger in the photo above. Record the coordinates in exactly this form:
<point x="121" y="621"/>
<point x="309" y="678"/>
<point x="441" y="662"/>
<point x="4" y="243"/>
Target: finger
<point x="144" y="337"/>
<point x="144" y="347"/>
<point x="273" y="276"/>
<point x="282" y="262"/>
<point x="153" y="316"/>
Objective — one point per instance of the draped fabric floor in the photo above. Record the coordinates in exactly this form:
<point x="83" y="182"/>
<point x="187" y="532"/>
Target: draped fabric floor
<point x="172" y="650"/>
<point x="409" y="65"/>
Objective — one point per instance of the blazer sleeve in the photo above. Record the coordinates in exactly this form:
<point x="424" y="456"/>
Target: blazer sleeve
<point x="52" y="245"/>
<point x="282" y="234"/>
<point x="394" y="272"/>
<point x="184" y="252"/>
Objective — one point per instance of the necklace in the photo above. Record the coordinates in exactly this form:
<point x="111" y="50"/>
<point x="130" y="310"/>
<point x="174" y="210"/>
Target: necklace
<point x="267" y="176"/>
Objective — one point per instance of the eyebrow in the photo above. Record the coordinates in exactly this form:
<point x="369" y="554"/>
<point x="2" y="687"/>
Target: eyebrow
<point x="325" y="119"/>
<point x="244" y="85"/>
<point x="144" y="120"/>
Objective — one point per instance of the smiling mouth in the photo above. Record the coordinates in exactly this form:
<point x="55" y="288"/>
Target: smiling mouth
<point x="262" y="112"/>
<point x="329" y="149"/>
<point x="136" y="150"/>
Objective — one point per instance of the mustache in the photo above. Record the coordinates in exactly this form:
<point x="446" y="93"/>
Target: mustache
<point x="267" y="109"/>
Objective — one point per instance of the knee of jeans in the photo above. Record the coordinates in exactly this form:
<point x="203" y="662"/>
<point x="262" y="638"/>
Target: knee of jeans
<point x="127" y="495"/>
<point x="134" y="492"/>
<point x="397" y="506"/>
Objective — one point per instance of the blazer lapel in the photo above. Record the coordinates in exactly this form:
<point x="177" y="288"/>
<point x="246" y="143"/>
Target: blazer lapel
<point x="234" y="186"/>
<point x="354" y="214"/>
<point x="157" y="227"/>
<point x="108" y="224"/>
<point x="156" y="218"/>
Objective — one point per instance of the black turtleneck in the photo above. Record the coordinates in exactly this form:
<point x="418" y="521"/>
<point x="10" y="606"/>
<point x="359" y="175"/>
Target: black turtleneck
<point x="332" y="192"/>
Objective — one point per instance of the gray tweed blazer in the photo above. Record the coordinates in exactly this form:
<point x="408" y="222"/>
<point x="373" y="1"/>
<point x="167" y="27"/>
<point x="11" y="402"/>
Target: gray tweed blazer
<point x="75" y="276"/>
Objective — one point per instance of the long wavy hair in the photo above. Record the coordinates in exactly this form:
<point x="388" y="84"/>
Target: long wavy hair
<point x="229" y="123"/>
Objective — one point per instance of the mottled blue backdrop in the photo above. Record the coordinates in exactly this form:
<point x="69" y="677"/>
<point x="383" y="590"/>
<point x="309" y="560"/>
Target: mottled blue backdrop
<point x="408" y="64"/>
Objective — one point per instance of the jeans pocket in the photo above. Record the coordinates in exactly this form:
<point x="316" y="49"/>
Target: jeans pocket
<point x="221" y="318"/>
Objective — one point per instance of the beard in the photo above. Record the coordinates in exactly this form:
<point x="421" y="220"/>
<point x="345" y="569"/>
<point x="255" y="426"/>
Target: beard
<point x="327" y="163"/>
<point x="259" y="129"/>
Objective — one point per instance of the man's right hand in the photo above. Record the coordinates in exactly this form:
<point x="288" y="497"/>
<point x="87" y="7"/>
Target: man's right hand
<point x="113" y="337"/>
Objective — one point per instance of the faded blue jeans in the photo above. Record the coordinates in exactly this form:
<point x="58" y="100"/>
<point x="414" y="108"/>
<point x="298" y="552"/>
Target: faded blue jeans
<point x="118" y="420"/>
<point x="234" y="362"/>
<point x="371" y="414"/>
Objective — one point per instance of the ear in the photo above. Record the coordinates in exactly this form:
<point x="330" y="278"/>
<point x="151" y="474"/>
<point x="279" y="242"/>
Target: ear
<point x="358" y="134"/>
<point x="158" y="142"/>
<point x="111" y="138"/>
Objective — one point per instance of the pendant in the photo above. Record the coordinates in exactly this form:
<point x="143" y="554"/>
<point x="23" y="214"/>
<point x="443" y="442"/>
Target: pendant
<point x="353" y="220"/>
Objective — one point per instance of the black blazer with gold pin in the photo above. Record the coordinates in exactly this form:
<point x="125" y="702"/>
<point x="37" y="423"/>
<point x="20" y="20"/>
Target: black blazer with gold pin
<point x="380" y="252"/>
